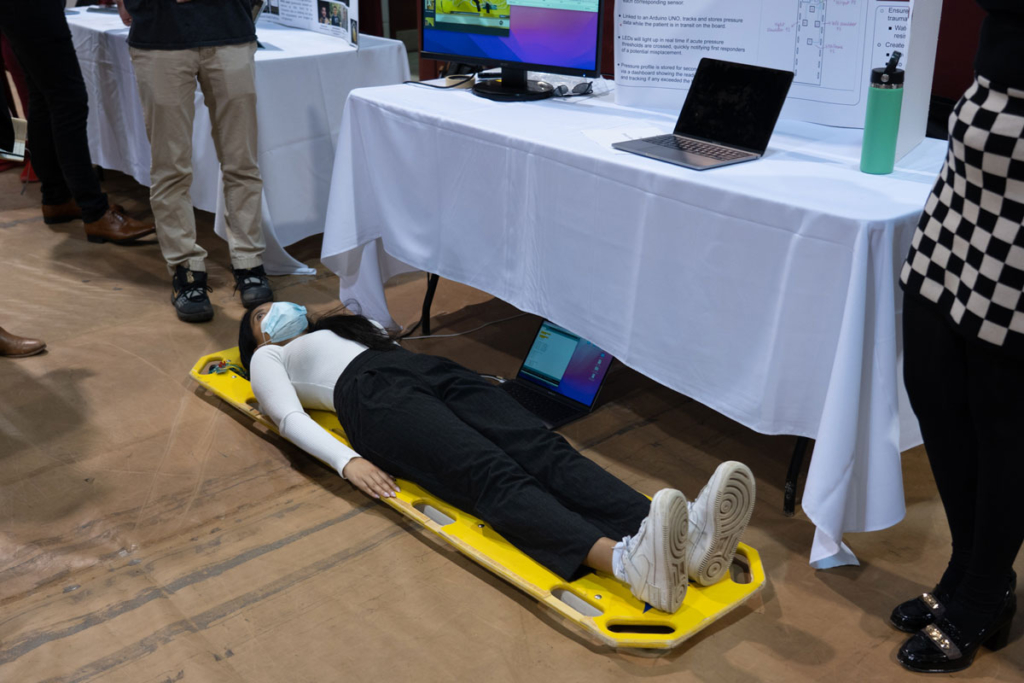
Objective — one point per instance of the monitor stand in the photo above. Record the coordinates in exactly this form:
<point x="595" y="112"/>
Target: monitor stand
<point x="513" y="86"/>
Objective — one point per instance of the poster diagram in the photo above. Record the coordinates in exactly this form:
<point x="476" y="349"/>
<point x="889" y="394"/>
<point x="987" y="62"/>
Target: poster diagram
<point x="810" y="41"/>
<point x="823" y="44"/>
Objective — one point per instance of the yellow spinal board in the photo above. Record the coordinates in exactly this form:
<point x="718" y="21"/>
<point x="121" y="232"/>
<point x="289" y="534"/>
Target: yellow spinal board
<point x="597" y="603"/>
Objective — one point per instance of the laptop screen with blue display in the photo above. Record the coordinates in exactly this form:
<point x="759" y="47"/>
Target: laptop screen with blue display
<point x="566" y="364"/>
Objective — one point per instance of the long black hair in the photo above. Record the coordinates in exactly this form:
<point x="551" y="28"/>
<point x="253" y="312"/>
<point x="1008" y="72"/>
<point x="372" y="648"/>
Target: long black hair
<point x="350" y="326"/>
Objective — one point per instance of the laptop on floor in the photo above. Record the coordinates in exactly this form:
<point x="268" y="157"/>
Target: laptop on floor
<point x="561" y="376"/>
<point x="728" y="117"/>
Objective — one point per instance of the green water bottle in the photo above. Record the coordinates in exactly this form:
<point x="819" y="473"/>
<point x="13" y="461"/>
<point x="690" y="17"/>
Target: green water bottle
<point x="882" y="123"/>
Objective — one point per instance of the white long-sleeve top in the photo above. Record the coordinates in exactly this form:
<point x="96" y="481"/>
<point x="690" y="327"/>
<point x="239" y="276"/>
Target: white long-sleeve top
<point x="302" y="374"/>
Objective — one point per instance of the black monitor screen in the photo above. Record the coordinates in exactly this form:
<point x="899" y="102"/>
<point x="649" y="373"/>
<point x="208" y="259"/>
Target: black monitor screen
<point x="734" y="104"/>
<point x="561" y="34"/>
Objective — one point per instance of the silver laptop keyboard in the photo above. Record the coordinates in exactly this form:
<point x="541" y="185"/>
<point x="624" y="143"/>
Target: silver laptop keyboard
<point x="704" y="149"/>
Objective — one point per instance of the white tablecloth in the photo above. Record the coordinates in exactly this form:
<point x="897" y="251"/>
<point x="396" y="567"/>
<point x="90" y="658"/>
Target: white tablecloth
<point x="302" y="80"/>
<point x="765" y="290"/>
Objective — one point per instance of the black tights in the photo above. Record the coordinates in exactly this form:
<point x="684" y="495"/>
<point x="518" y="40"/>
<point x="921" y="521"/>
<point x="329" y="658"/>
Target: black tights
<point x="969" y="398"/>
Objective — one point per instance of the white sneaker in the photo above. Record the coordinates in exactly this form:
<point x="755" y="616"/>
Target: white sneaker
<point x="652" y="560"/>
<point x="717" y="520"/>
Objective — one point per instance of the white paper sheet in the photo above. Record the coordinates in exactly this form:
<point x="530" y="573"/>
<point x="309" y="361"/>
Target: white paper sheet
<point x="605" y="137"/>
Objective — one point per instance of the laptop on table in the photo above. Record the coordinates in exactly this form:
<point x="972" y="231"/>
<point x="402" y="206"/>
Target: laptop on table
<point x="728" y="117"/>
<point x="561" y="376"/>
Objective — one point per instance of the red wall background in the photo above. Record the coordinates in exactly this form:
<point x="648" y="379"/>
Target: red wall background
<point x="958" y="40"/>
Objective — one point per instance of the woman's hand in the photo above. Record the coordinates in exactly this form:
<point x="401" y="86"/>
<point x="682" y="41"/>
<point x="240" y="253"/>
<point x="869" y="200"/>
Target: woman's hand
<point x="369" y="478"/>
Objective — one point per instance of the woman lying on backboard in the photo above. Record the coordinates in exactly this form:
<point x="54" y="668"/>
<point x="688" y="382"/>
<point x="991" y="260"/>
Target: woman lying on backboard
<point x="435" y="423"/>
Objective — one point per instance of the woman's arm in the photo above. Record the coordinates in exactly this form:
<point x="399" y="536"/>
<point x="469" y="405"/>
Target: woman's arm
<point x="278" y="400"/>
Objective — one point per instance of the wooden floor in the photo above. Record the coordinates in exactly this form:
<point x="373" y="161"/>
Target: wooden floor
<point x="151" y="534"/>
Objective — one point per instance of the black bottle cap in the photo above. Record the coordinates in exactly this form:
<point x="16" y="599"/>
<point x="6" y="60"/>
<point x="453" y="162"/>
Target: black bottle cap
<point x="880" y="76"/>
<point x="889" y="74"/>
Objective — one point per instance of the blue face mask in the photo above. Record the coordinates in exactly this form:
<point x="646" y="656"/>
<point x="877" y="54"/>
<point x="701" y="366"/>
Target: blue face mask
<point x="284" y="321"/>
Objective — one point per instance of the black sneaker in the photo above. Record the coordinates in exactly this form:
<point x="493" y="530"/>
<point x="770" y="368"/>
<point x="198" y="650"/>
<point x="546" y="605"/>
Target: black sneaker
<point x="253" y="285"/>
<point x="188" y="294"/>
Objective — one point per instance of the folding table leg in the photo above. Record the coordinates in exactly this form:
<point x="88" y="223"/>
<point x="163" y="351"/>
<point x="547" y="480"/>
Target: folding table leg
<point x="795" y="465"/>
<point x="427" y="300"/>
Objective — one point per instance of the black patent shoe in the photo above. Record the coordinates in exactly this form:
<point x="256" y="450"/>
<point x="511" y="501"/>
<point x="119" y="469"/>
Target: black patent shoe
<point x="913" y="615"/>
<point x="253" y="285"/>
<point x="943" y="648"/>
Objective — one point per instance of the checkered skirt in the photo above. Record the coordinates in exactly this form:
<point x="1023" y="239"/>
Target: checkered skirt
<point x="967" y="255"/>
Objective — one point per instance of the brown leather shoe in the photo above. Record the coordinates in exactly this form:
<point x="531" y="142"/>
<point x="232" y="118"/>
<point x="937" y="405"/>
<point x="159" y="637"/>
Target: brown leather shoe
<point x="61" y="213"/>
<point x="115" y="226"/>
<point x="14" y="346"/>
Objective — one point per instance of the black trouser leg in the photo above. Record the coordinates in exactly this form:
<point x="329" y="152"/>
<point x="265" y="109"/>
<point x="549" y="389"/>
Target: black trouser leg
<point x="6" y="126"/>
<point x="996" y="395"/>
<point x="577" y="482"/>
<point x="935" y="373"/>
<point x="400" y="425"/>
<point x="969" y="398"/>
<point x="59" y="151"/>
<point x="41" y="148"/>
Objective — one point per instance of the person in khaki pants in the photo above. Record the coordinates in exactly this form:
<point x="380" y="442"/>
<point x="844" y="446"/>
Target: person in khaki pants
<point x="172" y="45"/>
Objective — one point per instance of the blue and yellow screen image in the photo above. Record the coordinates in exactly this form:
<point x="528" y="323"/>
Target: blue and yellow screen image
<point x="491" y="17"/>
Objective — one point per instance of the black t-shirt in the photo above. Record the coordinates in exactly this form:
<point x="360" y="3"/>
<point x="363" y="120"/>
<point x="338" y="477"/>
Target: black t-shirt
<point x="170" y="25"/>
<point x="1000" y="55"/>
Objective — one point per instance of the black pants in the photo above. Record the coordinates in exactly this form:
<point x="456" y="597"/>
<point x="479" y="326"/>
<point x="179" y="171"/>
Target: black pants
<point x="969" y="398"/>
<point x="6" y="125"/>
<point x="58" y="105"/>
<point x="435" y="423"/>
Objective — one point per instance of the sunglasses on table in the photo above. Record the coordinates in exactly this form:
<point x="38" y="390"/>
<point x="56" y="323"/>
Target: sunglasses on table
<point x="563" y="90"/>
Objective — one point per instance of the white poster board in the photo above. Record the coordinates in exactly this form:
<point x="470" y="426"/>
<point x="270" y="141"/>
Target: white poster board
<point x="830" y="45"/>
<point x="338" y="18"/>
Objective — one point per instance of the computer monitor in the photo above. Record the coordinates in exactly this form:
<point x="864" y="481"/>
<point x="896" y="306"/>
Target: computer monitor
<point x="554" y="36"/>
